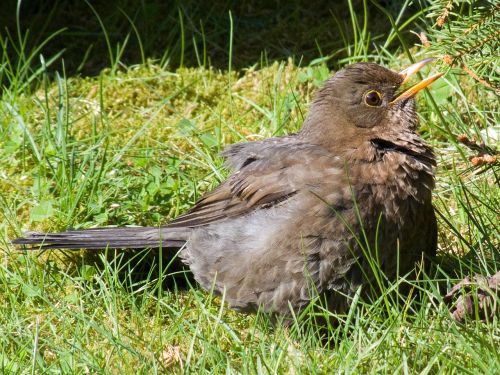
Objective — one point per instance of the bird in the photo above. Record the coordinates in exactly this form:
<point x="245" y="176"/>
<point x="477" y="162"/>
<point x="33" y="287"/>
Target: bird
<point x="306" y="215"/>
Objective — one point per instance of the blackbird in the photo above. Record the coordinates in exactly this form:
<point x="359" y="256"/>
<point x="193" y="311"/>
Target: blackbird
<point x="308" y="214"/>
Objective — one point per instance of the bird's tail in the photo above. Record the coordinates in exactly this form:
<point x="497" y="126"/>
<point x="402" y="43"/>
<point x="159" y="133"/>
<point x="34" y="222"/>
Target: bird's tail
<point x="101" y="238"/>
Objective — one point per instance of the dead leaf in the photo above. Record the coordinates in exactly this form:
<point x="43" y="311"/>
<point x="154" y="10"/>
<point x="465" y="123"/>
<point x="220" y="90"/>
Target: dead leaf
<point x="171" y="356"/>
<point x="478" y="297"/>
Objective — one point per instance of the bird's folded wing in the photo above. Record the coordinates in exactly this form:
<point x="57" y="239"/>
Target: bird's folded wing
<point x="270" y="175"/>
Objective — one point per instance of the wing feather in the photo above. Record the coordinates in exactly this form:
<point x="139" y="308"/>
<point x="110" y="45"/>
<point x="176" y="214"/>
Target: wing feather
<point x="275" y="173"/>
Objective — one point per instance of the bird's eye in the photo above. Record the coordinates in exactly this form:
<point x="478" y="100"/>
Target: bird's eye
<point x="373" y="98"/>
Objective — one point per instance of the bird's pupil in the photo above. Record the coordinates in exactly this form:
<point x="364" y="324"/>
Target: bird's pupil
<point x="373" y="98"/>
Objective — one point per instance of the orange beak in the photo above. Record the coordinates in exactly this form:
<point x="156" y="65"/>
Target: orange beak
<point x="407" y="73"/>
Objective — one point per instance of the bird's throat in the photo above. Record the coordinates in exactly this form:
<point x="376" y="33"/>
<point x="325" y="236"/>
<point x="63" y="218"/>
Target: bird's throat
<point x="383" y="146"/>
<point x="421" y="153"/>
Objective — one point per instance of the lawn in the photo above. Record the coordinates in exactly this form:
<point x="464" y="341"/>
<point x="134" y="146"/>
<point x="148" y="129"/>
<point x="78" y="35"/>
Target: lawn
<point x="138" y="143"/>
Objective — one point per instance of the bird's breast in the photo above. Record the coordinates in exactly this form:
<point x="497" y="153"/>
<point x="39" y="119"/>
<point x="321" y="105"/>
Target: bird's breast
<point x="395" y="184"/>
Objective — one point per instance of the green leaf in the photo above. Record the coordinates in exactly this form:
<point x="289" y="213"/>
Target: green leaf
<point x="209" y="140"/>
<point x="441" y="91"/>
<point x="186" y="127"/>
<point x="31" y="290"/>
<point x="43" y="211"/>
<point x="87" y="272"/>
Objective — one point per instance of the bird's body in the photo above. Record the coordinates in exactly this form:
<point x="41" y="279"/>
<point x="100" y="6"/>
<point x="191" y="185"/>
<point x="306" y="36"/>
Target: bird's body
<point x="307" y="213"/>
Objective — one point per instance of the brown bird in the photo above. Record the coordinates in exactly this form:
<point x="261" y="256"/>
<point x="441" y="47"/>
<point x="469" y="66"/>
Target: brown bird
<point x="306" y="214"/>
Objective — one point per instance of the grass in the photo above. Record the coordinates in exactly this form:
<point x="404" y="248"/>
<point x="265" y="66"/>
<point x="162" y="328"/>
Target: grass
<point x="194" y="33"/>
<point x="138" y="145"/>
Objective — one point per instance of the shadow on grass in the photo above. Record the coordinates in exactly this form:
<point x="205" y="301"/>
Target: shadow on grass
<point x="189" y="33"/>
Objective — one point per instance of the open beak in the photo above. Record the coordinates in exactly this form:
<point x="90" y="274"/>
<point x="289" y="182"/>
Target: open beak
<point x="407" y="73"/>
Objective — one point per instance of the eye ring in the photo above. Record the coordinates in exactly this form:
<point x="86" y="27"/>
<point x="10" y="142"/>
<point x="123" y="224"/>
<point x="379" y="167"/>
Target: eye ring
<point x="373" y="98"/>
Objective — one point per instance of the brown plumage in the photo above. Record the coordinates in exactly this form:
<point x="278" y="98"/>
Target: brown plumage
<point x="307" y="213"/>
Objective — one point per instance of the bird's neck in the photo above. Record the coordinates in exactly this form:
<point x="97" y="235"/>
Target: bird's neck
<point x="337" y="136"/>
<point x="395" y="159"/>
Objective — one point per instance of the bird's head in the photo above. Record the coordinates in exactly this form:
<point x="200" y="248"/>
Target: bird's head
<point x="366" y="96"/>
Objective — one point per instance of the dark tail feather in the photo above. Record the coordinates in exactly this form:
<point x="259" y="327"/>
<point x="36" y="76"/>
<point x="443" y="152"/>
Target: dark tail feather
<point x="101" y="238"/>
